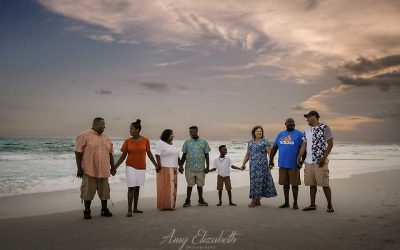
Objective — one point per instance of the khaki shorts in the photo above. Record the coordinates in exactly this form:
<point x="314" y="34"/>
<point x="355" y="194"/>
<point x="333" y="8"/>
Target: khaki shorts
<point x="224" y="179"/>
<point x="289" y="176"/>
<point x="316" y="176"/>
<point x="195" y="178"/>
<point x="92" y="184"/>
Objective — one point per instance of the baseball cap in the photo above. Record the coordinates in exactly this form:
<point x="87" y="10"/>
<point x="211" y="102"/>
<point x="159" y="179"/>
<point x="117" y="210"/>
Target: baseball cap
<point x="312" y="113"/>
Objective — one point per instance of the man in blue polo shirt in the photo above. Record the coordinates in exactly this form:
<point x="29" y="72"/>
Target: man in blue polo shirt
<point x="288" y="142"/>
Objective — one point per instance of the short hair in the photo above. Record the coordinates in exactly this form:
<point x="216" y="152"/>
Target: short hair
<point x="97" y="119"/>
<point x="166" y="134"/>
<point x="137" y="124"/>
<point x="253" y="131"/>
<point x="194" y="127"/>
<point x="222" y="146"/>
<point x="290" y="118"/>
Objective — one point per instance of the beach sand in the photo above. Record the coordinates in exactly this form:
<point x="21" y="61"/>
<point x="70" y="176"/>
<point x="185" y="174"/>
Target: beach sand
<point x="367" y="217"/>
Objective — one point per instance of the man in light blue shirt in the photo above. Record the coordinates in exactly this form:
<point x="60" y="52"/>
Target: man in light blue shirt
<point x="288" y="142"/>
<point x="195" y="153"/>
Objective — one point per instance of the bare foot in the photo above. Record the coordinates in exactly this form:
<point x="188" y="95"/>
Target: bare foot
<point x="137" y="211"/>
<point x="219" y="204"/>
<point x="232" y="204"/>
<point x="295" y="207"/>
<point x="285" y="205"/>
<point x="252" y="204"/>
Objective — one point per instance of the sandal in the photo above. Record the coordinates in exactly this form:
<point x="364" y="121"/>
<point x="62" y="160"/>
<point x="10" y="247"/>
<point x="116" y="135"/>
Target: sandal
<point x="310" y="208"/>
<point x="129" y="214"/>
<point x="330" y="210"/>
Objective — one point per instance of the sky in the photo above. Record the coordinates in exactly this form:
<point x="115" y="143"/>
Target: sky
<point x="224" y="66"/>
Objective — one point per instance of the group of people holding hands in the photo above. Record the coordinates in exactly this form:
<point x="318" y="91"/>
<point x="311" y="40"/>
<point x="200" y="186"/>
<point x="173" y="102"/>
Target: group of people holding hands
<point x="95" y="164"/>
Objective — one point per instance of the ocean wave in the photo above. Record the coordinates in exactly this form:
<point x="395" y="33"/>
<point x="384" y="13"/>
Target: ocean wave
<point x="30" y="157"/>
<point x="29" y="186"/>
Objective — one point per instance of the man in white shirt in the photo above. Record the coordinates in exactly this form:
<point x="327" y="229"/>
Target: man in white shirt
<point x="223" y="165"/>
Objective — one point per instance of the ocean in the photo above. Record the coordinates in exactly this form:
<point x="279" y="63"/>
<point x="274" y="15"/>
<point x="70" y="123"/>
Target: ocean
<point x="36" y="165"/>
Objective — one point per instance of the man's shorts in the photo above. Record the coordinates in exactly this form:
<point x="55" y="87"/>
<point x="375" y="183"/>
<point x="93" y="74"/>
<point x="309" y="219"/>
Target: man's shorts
<point x="224" y="179"/>
<point x="316" y="176"/>
<point x="289" y="176"/>
<point x="195" y="178"/>
<point x="92" y="184"/>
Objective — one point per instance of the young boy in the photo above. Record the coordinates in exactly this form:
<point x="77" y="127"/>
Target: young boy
<point x="223" y="165"/>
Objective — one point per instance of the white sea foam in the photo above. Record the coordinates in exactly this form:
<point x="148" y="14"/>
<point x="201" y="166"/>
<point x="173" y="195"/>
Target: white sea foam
<point x="29" y="157"/>
<point x="26" y="171"/>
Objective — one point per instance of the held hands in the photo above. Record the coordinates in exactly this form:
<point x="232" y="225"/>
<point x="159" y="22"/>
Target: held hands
<point x="158" y="168"/>
<point x="79" y="173"/>
<point x="180" y="169"/>
<point x="299" y="164"/>
<point x="271" y="165"/>
<point x="113" y="171"/>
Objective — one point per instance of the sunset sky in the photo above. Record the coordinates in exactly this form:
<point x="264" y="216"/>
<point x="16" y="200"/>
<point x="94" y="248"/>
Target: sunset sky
<point x="222" y="65"/>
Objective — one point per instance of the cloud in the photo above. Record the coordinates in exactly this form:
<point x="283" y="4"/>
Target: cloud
<point x="382" y="81"/>
<point x="350" y="123"/>
<point x="103" y="92"/>
<point x="101" y="37"/>
<point x="292" y="40"/>
<point x="311" y="4"/>
<point x="182" y="87"/>
<point x="171" y="63"/>
<point x="235" y="76"/>
<point x="156" y="86"/>
<point x="363" y="65"/>
<point x="320" y="101"/>
<point x="254" y="26"/>
<point x="392" y="112"/>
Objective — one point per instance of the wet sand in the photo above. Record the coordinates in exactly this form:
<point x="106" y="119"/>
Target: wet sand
<point x="367" y="216"/>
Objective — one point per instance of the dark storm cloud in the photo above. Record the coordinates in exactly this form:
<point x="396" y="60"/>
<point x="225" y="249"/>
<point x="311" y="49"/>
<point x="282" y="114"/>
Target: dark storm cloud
<point x="382" y="81"/>
<point x="103" y="92"/>
<point x="364" y="65"/>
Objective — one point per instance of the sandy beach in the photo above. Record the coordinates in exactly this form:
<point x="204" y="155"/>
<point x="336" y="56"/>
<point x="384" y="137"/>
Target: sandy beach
<point x="367" y="217"/>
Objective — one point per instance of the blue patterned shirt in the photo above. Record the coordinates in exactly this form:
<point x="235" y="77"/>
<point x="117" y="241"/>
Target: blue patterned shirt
<point x="195" y="154"/>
